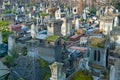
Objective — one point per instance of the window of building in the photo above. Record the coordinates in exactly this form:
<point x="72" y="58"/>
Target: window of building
<point x="88" y="54"/>
<point x="95" y="55"/>
<point x="58" y="43"/>
<point x="41" y="41"/>
<point x="57" y="15"/>
<point x="98" y="55"/>
<point x="50" y="25"/>
<point x="74" y="10"/>
<point x="48" y="42"/>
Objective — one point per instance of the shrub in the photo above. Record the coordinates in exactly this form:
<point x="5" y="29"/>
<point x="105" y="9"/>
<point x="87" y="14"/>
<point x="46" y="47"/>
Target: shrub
<point x="93" y="10"/>
<point x="8" y="60"/>
<point x="25" y="52"/>
<point x="81" y="75"/>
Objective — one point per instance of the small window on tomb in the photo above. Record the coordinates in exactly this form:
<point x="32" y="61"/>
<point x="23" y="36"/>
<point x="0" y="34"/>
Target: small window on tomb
<point x="50" y="25"/>
<point x="58" y="43"/>
<point x="95" y="55"/>
<point x="98" y="55"/>
<point x="41" y="41"/>
<point x="75" y="10"/>
<point x="48" y="42"/>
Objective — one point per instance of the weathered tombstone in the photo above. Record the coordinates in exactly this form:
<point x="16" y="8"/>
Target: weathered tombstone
<point x="116" y="22"/>
<point x="83" y="64"/>
<point x="34" y="8"/>
<point x="54" y="27"/>
<point x="56" y="71"/>
<point x="66" y="26"/>
<point x="11" y="44"/>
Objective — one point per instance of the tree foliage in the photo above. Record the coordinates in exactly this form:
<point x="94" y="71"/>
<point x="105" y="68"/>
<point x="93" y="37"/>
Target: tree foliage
<point x="81" y="75"/>
<point x="117" y="5"/>
<point x="4" y="30"/>
<point x="8" y="60"/>
<point x="25" y="52"/>
<point x="7" y="11"/>
<point x="44" y="65"/>
<point x="3" y="25"/>
<point x="42" y="14"/>
<point x="93" y="10"/>
<point x="5" y="35"/>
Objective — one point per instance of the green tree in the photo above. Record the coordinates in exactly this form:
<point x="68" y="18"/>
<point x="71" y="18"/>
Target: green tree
<point x="4" y="30"/>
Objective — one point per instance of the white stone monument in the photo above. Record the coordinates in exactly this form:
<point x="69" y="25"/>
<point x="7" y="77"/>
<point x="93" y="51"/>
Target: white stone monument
<point x="0" y="38"/>
<point x="33" y="31"/>
<point x="116" y="21"/>
<point x="30" y="16"/>
<point x="66" y="26"/>
<point x="34" y="8"/>
<point x="84" y="14"/>
<point x="77" y="24"/>
<point x="117" y="11"/>
<point x="22" y="9"/>
<point x="56" y="71"/>
<point x="106" y="10"/>
<point x="58" y="13"/>
<point x="16" y="17"/>
<point x="11" y="44"/>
